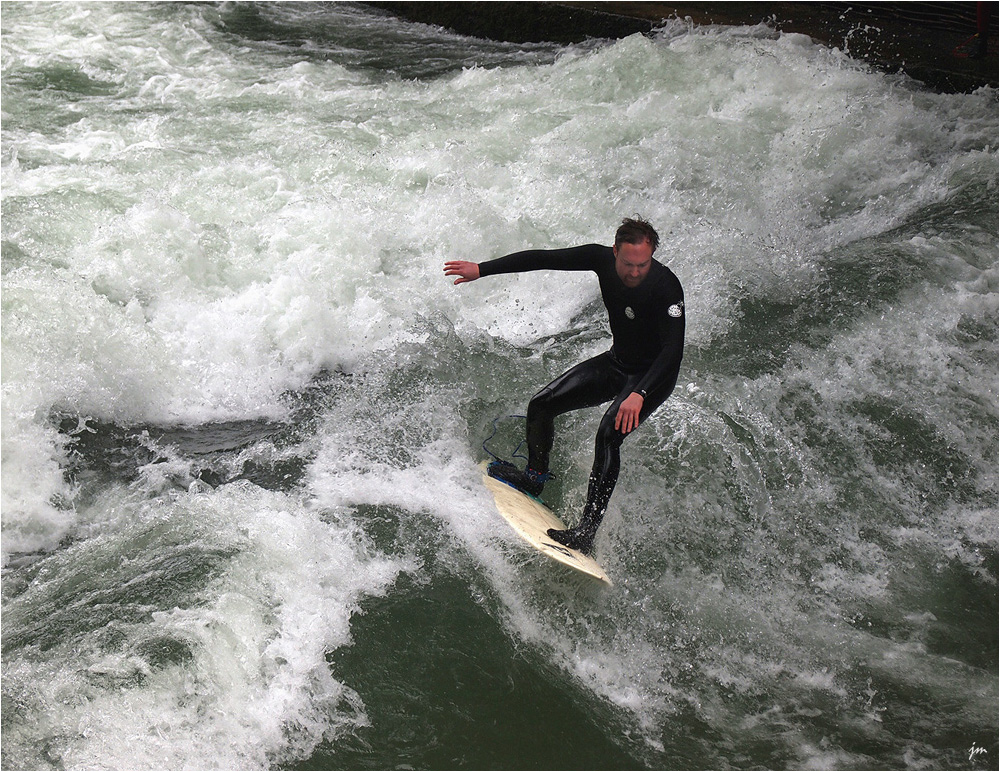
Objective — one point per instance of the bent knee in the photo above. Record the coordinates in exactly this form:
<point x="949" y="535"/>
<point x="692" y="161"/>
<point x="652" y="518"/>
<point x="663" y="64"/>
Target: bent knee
<point x="541" y="403"/>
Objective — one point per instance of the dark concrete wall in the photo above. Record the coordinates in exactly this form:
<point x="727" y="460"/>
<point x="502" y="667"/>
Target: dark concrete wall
<point x="520" y="22"/>
<point x="947" y="46"/>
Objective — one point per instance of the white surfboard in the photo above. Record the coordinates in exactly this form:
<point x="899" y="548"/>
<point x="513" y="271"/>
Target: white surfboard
<point x="531" y="519"/>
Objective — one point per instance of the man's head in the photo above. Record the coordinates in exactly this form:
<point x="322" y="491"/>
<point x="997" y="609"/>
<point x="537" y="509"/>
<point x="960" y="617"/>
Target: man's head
<point x="635" y="242"/>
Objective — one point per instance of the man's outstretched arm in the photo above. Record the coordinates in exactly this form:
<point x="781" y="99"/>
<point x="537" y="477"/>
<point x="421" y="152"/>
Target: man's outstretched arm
<point x="582" y="258"/>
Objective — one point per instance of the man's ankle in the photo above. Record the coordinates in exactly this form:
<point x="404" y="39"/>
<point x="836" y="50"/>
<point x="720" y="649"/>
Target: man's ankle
<point x="573" y="539"/>
<point x="528" y="481"/>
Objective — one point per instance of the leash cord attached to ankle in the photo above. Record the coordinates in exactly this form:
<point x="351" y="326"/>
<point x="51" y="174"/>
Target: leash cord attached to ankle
<point x="493" y="455"/>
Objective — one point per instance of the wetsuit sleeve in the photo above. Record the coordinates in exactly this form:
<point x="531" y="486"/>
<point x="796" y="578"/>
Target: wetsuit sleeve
<point x="662" y="373"/>
<point x="583" y="258"/>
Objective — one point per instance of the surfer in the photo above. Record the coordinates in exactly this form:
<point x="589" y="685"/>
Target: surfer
<point x="645" y="304"/>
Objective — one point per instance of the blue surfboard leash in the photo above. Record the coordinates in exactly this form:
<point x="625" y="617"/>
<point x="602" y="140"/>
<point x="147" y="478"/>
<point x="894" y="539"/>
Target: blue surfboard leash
<point x="496" y="428"/>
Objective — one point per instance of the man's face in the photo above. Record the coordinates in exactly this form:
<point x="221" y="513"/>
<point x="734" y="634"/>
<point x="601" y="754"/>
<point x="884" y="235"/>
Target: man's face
<point x="632" y="262"/>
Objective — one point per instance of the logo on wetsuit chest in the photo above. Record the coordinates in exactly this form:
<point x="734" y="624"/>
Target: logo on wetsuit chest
<point x="629" y="313"/>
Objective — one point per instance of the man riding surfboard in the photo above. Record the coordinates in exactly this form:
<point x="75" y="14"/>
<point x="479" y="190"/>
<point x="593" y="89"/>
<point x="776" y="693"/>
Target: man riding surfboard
<point x="645" y="304"/>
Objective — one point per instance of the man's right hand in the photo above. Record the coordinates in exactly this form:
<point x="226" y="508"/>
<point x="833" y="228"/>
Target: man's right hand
<point x="464" y="270"/>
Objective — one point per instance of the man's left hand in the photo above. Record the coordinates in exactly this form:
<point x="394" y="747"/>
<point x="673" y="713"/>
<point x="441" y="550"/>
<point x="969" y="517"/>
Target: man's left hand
<point x="628" y="413"/>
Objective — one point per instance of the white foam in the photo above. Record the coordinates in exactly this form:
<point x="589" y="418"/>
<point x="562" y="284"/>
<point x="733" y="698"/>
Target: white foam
<point x="252" y="687"/>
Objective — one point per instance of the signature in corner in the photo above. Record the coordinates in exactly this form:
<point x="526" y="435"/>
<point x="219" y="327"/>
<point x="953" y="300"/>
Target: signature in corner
<point x="976" y="750"/>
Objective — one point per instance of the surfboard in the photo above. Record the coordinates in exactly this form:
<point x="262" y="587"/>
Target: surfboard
<point x="530" y="518"/>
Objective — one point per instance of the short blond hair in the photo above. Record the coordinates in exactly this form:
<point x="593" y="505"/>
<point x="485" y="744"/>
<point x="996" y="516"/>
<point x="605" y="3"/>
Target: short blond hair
<point x="635" y="230"/>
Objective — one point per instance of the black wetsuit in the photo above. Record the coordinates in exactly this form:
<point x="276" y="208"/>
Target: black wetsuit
<point x="647" y="327"/>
